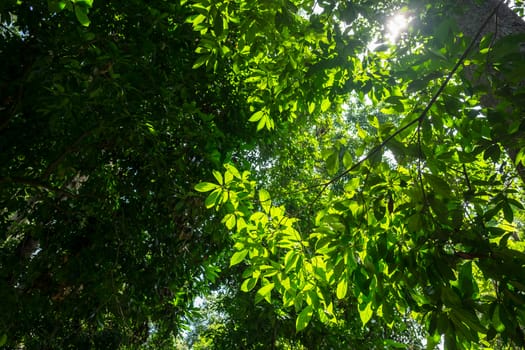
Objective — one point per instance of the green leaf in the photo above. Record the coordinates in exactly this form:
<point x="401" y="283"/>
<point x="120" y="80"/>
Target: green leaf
<point x="366" y="312"/>
<point x="86" y="3"/>
<point x="508" y="213"/>
<point x="347" y="160"/>
<point x="493" y="152"/>
<point x="332" y="163"/>
<point x="438" y="185"/>
<point x="218" y="176"/>
<point x="211" y="272"/>
<point x="520" y="157"/>
<point x="264" y="198"/>
<point x="496" y="320"/>
<point x="3" y="339"/>
<point x="325" y="105"/>
<point x="469" y="318"/>
<point x="228" y="177"/>
<point x="248" y="284"/>
<point x="202" y="60"/>
<point x="311" y="107"/>
<point x="414" y="223"/>
<point x="290" y="261"/>
<point x="205" y="186"/>
<point x="450" y="341"/>
<point x="229" y="220"/>
<point x="196" y="19"/>
<point x="233" y="170"/>
<point x="304" y="318"/>
<point x="262" y="123"/>
<point x="56" y="5"/>
<point x="342" y="288"/>
<point x="212" y="198"/>
<point x="81" y="14"/>
<point x="465" y="279"/>
<point x="433" y="340"/>
<point x="264" y="293"/>
<point x="237" y="257"/>
<point x="256" y="116"/>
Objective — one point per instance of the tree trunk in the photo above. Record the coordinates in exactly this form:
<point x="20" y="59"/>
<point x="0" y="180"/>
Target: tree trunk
<point x="504" y="106"/>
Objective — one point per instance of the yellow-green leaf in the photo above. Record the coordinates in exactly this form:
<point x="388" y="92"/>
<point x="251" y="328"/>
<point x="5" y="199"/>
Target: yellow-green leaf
<point x="205" y="186"/>
<point x="218" y="176"/>
<point x="365" y="313"/>
<point x="264" y="198"/>
<point x="325" y="105"/>
<point x="342" y="288"/>
<point x="264" y="293"/>
<point x="248" y="284"/>
<point x="229" y="220"/>
<point x="304" y="318"/>
<point x="228" y="177"/>
<point x="256" y="116"/>
<point x="233" y="170"/>
<point x="212" y="198"/>
<point x="262" y="123"/>
<point x="311" y="107"/>
<point x="237" y="257"/>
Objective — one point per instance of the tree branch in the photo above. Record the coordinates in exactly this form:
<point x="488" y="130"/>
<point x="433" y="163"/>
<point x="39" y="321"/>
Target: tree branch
<point x="51" y="167"/>
<point x="35" y="183"/>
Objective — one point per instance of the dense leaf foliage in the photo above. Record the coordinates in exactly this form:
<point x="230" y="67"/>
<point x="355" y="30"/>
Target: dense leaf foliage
<point x="423" y="218"/>
<point x="364" y="183"/>
<point x="102" y="140"/>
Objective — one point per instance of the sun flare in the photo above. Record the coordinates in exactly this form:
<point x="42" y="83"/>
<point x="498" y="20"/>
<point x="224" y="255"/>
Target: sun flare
<point x="396" y="25"/>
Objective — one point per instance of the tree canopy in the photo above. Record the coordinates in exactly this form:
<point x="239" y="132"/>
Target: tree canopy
<point x="316" y="181"/>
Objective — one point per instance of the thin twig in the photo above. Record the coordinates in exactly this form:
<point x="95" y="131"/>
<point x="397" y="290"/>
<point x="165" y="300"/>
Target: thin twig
<point x="419" y="167"/>
<point x="467" y="179"/>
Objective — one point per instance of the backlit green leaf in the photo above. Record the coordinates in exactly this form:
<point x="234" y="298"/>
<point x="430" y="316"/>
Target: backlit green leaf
<point x="264" y="293"/>
<point x="238" y="257"/>
<point x="365" y="312"/>
<point x="229" y="220"/>
<point x="256" y="116"/>
<point x="218" y="177"/>
<point x="212" y="198"/>
<point x="248" y="284"/>
<point x="342" y="288"/>
<point x="264" y="198"/>
<point x="304" y="318"/>
<point x="325" y="105"/>
<point x="311" y="107"/>
<point x="205" y="186"/>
